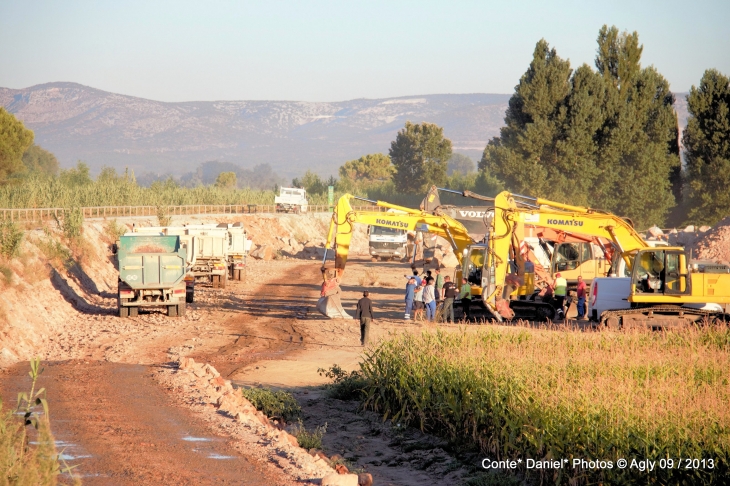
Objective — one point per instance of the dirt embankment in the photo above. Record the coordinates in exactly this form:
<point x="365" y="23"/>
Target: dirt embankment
<point x="42" y="291"/>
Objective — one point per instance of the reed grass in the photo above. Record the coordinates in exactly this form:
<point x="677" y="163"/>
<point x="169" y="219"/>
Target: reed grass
<point x="526" y="393"/>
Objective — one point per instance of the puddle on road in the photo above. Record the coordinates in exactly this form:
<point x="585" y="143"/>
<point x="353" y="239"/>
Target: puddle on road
<point x="189" y="438"/>
<point x="218" y="456"/>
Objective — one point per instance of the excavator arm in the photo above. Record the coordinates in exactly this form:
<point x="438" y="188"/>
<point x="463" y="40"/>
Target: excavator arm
<point x="344" y="218"/>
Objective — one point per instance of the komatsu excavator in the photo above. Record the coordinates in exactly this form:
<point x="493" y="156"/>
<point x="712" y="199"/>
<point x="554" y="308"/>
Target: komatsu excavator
<point x="662" y="286"/>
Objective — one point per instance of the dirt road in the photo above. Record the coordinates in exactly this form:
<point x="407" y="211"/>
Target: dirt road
<point x="122" y="425"/>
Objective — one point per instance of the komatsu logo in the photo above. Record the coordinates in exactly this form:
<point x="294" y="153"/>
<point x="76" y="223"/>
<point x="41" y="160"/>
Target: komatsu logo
<point x="392" y="224"/>
<point x="565" y="222"/>
<point x="471" y="214"/>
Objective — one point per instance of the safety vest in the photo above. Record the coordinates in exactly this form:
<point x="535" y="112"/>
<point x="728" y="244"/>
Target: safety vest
<point x="561" y="287"/>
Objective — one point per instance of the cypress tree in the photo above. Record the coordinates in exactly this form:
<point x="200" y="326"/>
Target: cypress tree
<point x="707" y="143"/>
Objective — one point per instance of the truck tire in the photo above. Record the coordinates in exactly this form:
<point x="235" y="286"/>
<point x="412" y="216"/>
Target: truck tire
<point x="222" y="280"/>
<point x="181" y="310"/>
<point x="236" y="275"/>
<point x="171" y="311"/>
<point x="215" y="279"/>
<point x="190" y="297"/>
<point x="133" y="311"/>
<point x="123" y="311"/>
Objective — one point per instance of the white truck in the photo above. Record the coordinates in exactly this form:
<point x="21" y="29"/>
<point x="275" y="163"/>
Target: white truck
<point x="291" y="200"/>
<point x="387" y="243"/>
<point x="239" y="245"/>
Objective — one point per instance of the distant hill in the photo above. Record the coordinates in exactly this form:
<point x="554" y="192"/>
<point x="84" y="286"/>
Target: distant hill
<point x="76" y="122"/>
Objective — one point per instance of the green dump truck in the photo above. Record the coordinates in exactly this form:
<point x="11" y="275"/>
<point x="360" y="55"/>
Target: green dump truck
<point x="152" y="271"/>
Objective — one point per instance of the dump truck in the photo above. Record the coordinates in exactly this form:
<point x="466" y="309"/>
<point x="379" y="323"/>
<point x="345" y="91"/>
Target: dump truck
<point x="239" y="246"/>
<point x="291" y="200"/>
<point x="152" y="271"/>
<point x="207" y="249"/>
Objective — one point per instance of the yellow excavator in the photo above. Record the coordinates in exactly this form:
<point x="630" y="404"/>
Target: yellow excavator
<point x="662" y="285"/>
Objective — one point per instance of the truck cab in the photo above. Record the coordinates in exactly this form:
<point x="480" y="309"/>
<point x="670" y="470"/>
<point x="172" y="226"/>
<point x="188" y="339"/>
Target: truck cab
<point x="291" y="200"/>
<point x="387" y="243"/>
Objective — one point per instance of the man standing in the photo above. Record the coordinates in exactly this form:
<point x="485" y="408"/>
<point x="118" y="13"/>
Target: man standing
<point x="449" y="296"/>
<point x="561" y="290"/>
<point x="429" y="299"/>
<point x="465" y="296"/>
<point x="365" y="313"/>
<point x="439" y="284"/>
<point x="410" y="294"/>
<point x="581" y="294"/>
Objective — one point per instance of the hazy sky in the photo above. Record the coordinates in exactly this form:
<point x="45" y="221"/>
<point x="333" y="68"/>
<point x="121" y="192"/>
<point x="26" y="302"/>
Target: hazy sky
<point x="329" y="51"/>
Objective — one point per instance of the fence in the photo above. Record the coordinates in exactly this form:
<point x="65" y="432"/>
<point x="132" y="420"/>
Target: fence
<point x="40" y="214"/>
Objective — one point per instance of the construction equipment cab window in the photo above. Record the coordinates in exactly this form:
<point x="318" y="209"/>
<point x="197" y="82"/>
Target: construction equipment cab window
<point x="661" y="271"/>
<point x="474" y="266"/>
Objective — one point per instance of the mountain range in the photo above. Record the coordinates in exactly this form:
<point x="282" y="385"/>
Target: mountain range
<point x="77" y="122"/>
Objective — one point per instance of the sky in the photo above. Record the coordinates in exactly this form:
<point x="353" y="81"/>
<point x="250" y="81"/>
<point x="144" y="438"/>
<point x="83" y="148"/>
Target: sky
<point x="333" y="51"/>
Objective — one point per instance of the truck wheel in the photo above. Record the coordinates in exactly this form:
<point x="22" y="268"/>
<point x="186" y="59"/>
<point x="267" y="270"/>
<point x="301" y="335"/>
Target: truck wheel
<point x="123" y="311"/>
<point x="133" y="311"/>
<point x="189" y="297"/>
<point x="181" y="310"/>
<point x="215" y="280"/>
<point x="236" y="275"/>
<point x="222" y="279"/>
<point x="171" y="311"/>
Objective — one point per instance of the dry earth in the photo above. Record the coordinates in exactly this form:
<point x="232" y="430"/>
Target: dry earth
<point x="124" y="413"/>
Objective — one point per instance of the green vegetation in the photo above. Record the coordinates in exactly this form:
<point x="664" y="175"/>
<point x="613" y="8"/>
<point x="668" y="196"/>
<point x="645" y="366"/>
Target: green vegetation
<point x="114" y="230"/>
<point x="605" y="138"/>
<point x="525" y="393"/>
<point x="20" y="463"/>
<point x="344" y="386"/>
<point x="14" y="141"/>
<point x="40" y="161"/>
<point x="11" y="237"/>
<point x="279" y="405"/>
<point x="707" y="143"/>
<point x="420" y="154"/>
<point x="309" y="439"/>
<point x="226" y="181"/>
<point x="71" y="223"/>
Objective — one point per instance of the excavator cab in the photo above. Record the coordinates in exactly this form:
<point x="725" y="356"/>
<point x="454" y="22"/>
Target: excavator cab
<point x="658" y="271"/>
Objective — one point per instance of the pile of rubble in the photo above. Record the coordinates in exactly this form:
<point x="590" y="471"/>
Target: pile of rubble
<point x="702" y="243"/>
<point x="289" y="247"/>
<point x="243" y="420"/>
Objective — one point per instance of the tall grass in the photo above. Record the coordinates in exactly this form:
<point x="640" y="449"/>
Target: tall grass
<point x="525" y="393"/>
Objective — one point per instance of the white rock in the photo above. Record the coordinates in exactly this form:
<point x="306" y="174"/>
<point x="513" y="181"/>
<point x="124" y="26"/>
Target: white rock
<point x="339" y="480"/>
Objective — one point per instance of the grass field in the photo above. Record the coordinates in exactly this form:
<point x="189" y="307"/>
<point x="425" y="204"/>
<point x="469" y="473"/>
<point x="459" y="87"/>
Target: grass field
<point x="519" y="393"/>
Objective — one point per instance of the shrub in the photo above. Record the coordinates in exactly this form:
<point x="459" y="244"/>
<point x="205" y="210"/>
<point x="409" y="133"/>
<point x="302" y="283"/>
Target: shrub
<point x="71" y="223"/>
<point x="114" y="230"/>
<point x="344" y="386"/>
<point x="6" y="273"/>
<point x="11" y="237"/>
<point x="163" y="216"/>
<point x="309" y="439"/>
<point x="274" y="404"/>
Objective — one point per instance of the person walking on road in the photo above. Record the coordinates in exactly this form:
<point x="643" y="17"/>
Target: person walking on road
<point x="560" y="291"/>
<point x="365" y="314"/>
<point x="465" y="296"/>
<point x="581" y="294"/>
<point x="449" y="296"/>
<point x="429" y="299"/>
<point x="418" y="301"/>
<point x="410" y="291"/>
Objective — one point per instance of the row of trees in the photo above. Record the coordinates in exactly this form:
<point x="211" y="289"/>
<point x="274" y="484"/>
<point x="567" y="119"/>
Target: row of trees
<point x="606" y="137"/>
<point x="19" y="156"/>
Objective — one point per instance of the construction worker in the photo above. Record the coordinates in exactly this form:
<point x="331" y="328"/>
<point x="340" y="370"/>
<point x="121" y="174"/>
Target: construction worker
<point x="439" y="284"/>
<point x="449" y="296"/>
<point x="410" y="293"/>
<point x="365" y="314"/>
<point x="465" y="296"/>
<point x="581" y="294"/>
<point x="429" y="300"/>
<point x="560" y="292"/>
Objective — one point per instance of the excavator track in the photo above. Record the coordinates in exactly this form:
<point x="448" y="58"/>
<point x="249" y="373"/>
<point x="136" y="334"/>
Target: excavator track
<point x="660" y="317"/>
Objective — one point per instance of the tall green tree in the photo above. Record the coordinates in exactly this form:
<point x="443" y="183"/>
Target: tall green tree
<point x="460" y="164"/>
<point x="707" y="143"/>
<point x="368" y="169"/>
<point x="40" y="161"/>
<point x="311" y="182"/>
<point x="226" y="180"/>
<point x="605" y="138"/>
<point x="77" y="176"/>
<point x="420" y="154"/>
<point x="14" y="141"/>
